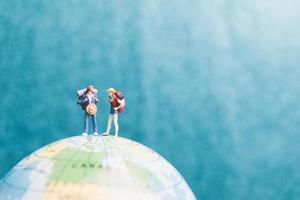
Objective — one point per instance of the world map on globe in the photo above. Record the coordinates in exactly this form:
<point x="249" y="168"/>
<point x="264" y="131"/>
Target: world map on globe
<point x="94" y="168"/>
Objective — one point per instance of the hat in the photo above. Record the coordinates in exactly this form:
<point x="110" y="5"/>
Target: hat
<point x="90" y="88"/>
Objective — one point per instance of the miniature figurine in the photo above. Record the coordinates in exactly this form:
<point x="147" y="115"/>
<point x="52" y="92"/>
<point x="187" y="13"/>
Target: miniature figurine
<point x="117" y="103"/>
<point x="87" y="99"/>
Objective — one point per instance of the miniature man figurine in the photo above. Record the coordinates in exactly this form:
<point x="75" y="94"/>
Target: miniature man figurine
<point x="117" y="103"/>
<point x="87" y="99"/>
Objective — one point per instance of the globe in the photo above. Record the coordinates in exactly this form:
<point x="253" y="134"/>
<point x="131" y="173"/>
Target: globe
<point x="94" y="168"/>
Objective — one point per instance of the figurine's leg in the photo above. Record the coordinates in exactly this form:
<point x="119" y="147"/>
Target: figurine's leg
<point x="86" y="122"/>
<point x="116" y="124"/>
<point x="94" y="124"/>
<point x="110" y="118"/>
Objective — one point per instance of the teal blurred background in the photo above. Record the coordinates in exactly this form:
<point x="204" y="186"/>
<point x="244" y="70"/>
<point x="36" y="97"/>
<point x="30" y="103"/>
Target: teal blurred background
<point x="213" y="86"/>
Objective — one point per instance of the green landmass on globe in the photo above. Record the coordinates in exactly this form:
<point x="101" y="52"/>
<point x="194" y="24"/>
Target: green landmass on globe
<point x="94" y="168"/>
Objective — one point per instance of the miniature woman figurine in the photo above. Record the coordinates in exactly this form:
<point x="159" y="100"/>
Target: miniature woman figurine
<point x="87" y="99"/>
<point x="117" y="103"/>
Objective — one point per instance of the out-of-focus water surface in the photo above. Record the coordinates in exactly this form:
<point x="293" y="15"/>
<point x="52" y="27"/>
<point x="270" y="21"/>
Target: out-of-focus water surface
<point x="211" y="85"/>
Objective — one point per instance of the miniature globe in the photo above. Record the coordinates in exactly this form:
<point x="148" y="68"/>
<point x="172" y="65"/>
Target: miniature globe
<point x="94" y="168"/>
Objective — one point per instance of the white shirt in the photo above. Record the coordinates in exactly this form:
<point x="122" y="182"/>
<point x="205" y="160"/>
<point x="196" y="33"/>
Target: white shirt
<point x="90" y="97"/>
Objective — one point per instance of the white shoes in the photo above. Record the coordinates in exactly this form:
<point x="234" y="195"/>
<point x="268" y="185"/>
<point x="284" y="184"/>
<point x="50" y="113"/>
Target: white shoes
<point x="84" y="134"/>
<point x="96" y="134"/>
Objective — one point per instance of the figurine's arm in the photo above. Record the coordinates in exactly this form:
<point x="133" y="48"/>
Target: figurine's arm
<point x="96" y="100"/>
<point x="121" y="103"/>
<point x="82" y="100"/>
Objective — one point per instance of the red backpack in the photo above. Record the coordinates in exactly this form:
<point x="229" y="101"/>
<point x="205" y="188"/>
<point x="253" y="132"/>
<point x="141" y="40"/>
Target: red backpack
<point x="119" y="95"/>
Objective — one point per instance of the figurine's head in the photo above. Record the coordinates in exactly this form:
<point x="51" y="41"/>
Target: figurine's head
<point x="90" y="89"/>
<point x="110" y="92"/>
